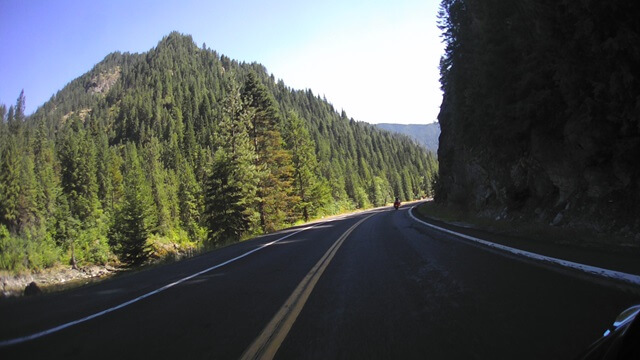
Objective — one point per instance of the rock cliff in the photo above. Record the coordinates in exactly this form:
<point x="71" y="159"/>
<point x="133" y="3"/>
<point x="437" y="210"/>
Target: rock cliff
<point x="540" y="117"/>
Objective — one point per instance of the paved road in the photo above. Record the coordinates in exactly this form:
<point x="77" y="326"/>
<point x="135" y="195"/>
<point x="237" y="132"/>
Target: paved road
<point x="375" y="285"/>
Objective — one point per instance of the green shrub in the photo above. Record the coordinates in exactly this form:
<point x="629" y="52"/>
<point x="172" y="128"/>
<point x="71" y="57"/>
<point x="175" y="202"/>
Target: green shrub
<point x="10" y="251"/>
<point x="40" y="249"/>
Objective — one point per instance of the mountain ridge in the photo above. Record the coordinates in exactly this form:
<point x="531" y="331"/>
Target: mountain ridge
<point x="162" y="147"/>
<point x="425" y="134"/>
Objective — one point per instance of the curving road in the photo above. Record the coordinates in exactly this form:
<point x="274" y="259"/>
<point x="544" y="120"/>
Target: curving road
<point x="377" y="284"/>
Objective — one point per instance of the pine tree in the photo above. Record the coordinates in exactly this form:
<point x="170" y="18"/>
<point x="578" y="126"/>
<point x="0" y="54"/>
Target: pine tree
<point x="78" y="170"/>
<point x="10" y="186"/>
<point x="16" y="115"/>
<point x="65" y="226"/>
<point x="237" y="176"/>
<point x="3" y="125"/>
<point x="189" y="194"/>
<point x="157" y="178"/>
<point x="29" y="188"/>
<point x="116" y="190"/>
<point x="378" y="191"/>
<point x="226" y="218"/>
<point x="132" y="222"/>
<point x="102" y="174"/>
<point x="273" y="162"/>
<point x="46" y="174"/>
<point x="313" y="193"/>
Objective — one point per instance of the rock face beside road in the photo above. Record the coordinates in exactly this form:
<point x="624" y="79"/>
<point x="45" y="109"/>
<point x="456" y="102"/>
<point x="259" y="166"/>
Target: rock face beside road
<point x="543" y="124"/>
<point x="554" y="180"/>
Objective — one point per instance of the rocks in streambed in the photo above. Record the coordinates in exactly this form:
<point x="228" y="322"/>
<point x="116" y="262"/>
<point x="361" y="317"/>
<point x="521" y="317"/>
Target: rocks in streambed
<point x="33" y="283"/>
<point x="32" y="289"/>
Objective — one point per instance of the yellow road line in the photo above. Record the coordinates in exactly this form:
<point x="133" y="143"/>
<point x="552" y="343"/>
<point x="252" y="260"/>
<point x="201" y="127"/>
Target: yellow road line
<point x="267" y="343"/>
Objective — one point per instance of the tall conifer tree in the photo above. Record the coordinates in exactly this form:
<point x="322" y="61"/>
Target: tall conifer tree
<point x="313" y="193"/>
<point x="273" y="162"/>
<point x="132" y="221"/>
<point x="10" y="186"/>
<point x="226" y="218"/>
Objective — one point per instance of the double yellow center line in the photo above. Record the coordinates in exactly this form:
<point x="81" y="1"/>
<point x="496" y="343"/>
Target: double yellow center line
<point x="267" y="343"/>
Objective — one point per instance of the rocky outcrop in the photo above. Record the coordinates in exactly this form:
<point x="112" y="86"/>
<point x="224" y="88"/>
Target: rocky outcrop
<point x="101" y="82"/>
<point x="583" y="177"/>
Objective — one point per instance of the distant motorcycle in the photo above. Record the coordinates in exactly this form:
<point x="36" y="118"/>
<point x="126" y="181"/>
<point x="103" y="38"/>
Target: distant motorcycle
<point x="396" y="204"/>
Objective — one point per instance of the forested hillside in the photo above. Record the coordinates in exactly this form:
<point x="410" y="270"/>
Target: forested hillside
<point x="426" y="135"/>
<point x="540" y="116"/>
<point x="178" y="148"/>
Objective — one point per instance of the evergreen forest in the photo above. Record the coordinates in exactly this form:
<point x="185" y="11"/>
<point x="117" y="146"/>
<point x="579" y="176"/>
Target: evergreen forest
<point x="181" y="148"/>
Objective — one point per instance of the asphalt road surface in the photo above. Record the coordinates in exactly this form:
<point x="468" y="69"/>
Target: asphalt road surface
<point x="375" y="285"/>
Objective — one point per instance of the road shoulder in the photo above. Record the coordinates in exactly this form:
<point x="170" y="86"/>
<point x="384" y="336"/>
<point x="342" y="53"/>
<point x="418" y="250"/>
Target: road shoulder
<point x="627" y="262"/>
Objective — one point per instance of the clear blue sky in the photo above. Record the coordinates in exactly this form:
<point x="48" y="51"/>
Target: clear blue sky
<point x="377" y="60"/>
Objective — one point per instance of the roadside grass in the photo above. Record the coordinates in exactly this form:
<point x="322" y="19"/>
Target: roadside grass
<point x="528" y="230"/>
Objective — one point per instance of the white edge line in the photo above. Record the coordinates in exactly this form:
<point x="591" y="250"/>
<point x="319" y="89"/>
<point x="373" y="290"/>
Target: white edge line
<point x="22" y="339"/>
<point x="591" y="270"/>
